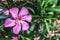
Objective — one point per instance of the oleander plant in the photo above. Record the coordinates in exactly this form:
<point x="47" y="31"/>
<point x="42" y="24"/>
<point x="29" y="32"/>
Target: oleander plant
<point x="29" y="19"/>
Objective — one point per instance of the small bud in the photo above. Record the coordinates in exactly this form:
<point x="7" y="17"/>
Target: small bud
<point x="6" y="36"/>
<point x="6" y="12"/>
<point x="1" y="9"/>
<point x="14" y="38"/>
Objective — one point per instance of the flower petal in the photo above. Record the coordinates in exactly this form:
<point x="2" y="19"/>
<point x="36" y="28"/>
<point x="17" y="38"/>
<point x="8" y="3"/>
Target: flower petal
<point x="9" y="23"/>
<point x="27" y="18"/>
<point x="58" y="24"/>
<point x="6" y="12"/>
<point x="24" y="11"/>
<point x="1" y="9"/>
<point x="14" y="38"/>
<point x="14" y="12"/>
<point x="17" y="29"/>
<point x="25" y="25"/>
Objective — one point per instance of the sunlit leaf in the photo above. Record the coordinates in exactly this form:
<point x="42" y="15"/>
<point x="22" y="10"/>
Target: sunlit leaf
<point x="56" y="9"/>
<point x="32" y="27"/>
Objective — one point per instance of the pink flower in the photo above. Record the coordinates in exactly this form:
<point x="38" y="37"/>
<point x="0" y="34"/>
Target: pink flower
<point x="50" y="33"/>
<point x="14" y="38"/>
<point x="19" y="19"/>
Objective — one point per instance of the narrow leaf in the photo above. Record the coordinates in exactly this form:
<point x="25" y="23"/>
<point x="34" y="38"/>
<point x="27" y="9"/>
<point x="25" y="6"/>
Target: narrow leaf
<point x="3" y="16"/>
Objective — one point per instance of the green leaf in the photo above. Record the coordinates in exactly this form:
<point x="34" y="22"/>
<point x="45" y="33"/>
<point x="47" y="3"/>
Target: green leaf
<point x="30" y="2"/>
<point x="56" y="9"/>
<point x="31" y="9"/>
<point x="28" y="32"/>
<point x="0" y="12"/>
<point x="32" y="27"/>
<point x="14" y="0"/>
<point x="50" y="13"/>
<point x="54" y="3"/>
<point x="3" y="16"/>
<point x="3" y="8"/>
<point x="1" y="26"/>
<point x="27" y="39"/>
<point x="41" y="26"/>
<point x="47" y="26"/>
<point x="23" y="38"/>
<point x="49" y="1"/>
